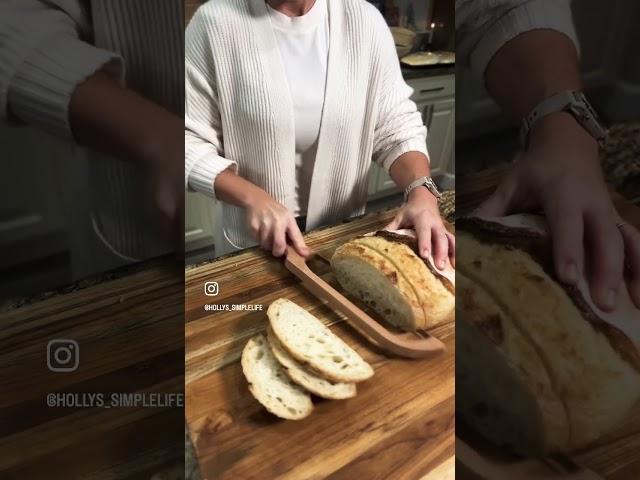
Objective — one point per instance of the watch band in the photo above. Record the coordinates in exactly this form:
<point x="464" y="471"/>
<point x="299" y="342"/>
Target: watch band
<point x="426" y="182"/>
<point x="569" y="101"/>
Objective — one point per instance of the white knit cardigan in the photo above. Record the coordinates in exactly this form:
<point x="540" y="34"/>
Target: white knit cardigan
<point x="239" y="112"/>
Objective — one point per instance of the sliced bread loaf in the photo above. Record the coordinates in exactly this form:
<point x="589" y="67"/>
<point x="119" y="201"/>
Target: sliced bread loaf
<point x="434" y="288"/>
<point x="269" y="383"/>
<point x="307" y="378"/>
<point x="313" y="344"/>
<point x="385" y="271"/>
<point x="552" y="356"/>
<point x="372" y="278"/>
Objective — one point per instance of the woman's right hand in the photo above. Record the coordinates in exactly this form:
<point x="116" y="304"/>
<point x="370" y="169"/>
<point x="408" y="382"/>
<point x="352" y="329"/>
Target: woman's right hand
<point x="272" y="224"/>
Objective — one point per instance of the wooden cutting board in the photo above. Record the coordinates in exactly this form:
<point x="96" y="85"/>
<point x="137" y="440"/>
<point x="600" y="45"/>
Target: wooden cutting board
<point x="402" y="420"/>
<point x="129" y="330"/>
<point x="616" y="457"/>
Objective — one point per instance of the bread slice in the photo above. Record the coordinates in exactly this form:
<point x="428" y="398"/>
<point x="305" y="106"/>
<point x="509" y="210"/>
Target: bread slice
<point x="369" y="276"/>
<point x="306" y="378"/>
<point x="311" y="343"/>
<point x="590" y="365"/>
<point x="269" y="383"/>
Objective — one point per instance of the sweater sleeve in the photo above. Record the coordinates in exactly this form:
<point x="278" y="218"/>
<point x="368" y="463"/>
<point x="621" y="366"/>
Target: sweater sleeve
<point x="203" y="142"/>
<point x="42" y="60"/>
<point x="484" y="26"/>
<point x="399" y="127"/>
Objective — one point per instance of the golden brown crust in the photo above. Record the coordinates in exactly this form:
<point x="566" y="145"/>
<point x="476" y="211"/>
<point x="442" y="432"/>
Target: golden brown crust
<point x="538" y="246"/>
<point x="437" y="302"/>
<point x="412" y="243"/>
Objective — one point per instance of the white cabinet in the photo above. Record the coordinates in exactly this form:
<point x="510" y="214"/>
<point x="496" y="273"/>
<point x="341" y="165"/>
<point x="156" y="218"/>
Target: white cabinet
<point x="199" y="221"/>
<point x="33" y="180"/>
<point x="439" y="117"/>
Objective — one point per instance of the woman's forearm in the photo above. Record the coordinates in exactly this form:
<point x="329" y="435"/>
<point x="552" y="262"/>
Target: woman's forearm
<point x="409" y="167"/>
<point x="114" y="120"/>
<point x="232" y="188"/>
<point x="531" y="67"/>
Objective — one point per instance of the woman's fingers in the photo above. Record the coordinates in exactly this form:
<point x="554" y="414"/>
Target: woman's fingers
<point x="452" y="248"/>
<point x="499" y="203"/>
<point x="631" y="238"/>
<point x="297" y="239"/>
<point x="395" y="223"/>
<point x="567" y="235"/>
<point x="605" y="260"/>
<point x="423" y="232"/>
<point x="279" y="238"/>
<point x="266" y="237"/>
<point x="440" y="246"/>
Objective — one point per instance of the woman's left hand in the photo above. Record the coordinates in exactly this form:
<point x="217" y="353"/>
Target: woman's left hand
<point x="422" y="214"/>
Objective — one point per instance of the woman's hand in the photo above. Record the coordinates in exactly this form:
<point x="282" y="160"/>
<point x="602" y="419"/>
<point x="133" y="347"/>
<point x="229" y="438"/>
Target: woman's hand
<point x="163" y="162"/>
<point x="421" y="213"/>
<point x="560" y="174"/>
<point x="272" y="224"/>
<point x="117" y="121"/>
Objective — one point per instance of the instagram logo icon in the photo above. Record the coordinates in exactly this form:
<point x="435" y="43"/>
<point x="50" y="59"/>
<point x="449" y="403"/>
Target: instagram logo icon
<point x="211" y="289"/>
<point x="63" y="355"/>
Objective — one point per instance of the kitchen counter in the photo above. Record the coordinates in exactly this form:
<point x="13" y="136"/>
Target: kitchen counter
<point x="402" y="420"/>
<point x="129" y="329"/>
<point x="425" y="72"/>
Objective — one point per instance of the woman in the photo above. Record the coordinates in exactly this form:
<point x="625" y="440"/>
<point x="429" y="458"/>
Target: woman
<point x="525" y="51"/>
<point x="287" y="104"/>
<point x="107" y="75"/>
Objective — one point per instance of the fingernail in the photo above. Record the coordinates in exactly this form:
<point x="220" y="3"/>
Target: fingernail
<point x="425" y="253"/>
<point x="441" y="265"/>
<point x="610" y="300"/>
<point x="571" y="273"/>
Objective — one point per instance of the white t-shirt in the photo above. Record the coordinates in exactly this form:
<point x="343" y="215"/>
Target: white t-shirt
<point x="304" y="47"/>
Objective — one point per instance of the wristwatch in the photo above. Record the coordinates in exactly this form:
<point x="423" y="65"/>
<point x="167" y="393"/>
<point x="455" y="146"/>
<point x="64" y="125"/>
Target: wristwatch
<point x="422" y="182"/>
<point x="569" y="101"/>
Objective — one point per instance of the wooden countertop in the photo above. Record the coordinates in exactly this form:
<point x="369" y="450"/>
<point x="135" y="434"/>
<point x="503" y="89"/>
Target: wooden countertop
<point x="130" y="336"/>
<point x="402" y="420"/>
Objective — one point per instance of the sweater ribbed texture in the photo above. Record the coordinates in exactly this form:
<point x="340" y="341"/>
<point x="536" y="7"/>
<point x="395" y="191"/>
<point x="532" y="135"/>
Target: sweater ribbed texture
<point x="482" y="27"/>
<point x="42" y="60"/>
<point x="239" y="112"/>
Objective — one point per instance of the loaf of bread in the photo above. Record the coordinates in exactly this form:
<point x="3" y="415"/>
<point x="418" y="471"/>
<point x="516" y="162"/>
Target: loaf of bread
<point x="385" y="271"/>
<point x="539" y="368"/>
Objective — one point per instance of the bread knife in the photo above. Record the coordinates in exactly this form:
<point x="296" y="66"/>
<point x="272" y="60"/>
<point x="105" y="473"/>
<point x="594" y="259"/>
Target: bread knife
<point x="409" y="345"/>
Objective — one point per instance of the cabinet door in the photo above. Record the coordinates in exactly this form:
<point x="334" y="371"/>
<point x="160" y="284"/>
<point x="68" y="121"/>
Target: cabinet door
<point x="199" y="222"/>
<point x="385" y="184"/>
<point x="32" y="223"/>
<point x="373" y="178"/>
<point x="440" y="121"/>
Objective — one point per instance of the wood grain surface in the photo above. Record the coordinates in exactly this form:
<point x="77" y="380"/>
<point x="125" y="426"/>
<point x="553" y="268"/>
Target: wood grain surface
<point x="399" y="426"/>
<point x="130" y="335"/>
<point x="616" y="457"/>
